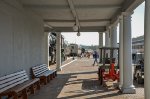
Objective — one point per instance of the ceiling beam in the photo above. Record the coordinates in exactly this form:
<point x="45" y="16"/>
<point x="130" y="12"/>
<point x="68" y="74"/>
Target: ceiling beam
<point x="94" y="6"/>
<point x="74" y="13"/>
<point x="47" y="25"/>
<point x="82" y="29"/>
<point x="88" y="20"/>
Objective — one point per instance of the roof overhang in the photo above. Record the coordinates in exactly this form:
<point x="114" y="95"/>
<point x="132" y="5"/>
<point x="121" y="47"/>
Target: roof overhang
<point x="88" y="15"/>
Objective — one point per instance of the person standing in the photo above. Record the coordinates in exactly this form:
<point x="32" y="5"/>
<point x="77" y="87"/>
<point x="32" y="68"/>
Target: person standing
<point x="88" y="54"/>
<point x="82" y="52"/>
<point x="62" y="55"/>
<point x="95" y="56"/>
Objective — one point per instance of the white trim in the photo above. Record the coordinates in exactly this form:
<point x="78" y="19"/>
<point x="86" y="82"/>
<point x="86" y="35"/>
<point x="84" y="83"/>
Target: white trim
<point x="68" y="63"/>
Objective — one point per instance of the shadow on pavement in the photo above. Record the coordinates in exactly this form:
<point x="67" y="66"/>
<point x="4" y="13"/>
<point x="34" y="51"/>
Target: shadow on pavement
<point x="90" y="87"/>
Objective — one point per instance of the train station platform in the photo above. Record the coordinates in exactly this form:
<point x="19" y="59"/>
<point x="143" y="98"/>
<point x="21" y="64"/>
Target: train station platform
<point x="79" y="80"/>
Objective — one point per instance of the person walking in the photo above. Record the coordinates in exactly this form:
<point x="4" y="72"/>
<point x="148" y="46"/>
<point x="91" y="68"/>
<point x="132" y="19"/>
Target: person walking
<point x="95" y="56"/>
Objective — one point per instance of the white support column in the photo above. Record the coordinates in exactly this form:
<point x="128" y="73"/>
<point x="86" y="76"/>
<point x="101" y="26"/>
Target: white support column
<point x="100" y="44"/>
<point x="147" y="50"/>
<point x="121" y="51"/>
<point x="107" y="42"/>
<point x="128" y="86"/>
<point x="58" y="51"/>
<point x="114" y="40"/>
<point x="114" y="36"/>
<point x="107" y="39"/>
<point x="100" y="39"/>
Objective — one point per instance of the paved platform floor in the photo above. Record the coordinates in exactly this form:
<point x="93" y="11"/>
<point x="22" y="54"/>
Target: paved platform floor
<point x="78" y="80"/>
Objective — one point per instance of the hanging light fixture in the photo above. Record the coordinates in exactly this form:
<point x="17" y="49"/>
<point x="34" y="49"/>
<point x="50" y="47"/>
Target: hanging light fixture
<point x="75" y="27"/>
<point x="78" y="33"/>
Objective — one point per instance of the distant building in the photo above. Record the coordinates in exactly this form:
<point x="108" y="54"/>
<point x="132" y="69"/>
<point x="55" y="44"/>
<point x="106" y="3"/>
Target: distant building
<point x="137" y="49"/>
<point x="138" y="44"/>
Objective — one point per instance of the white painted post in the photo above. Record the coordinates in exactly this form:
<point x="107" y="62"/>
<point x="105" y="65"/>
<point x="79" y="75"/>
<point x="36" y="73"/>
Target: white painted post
<point x="121" y="51"/>
<point x="147" y="50"/>
<point x="128" y="86"/>
<point x="58" y="51"/>
<point x="114" y="36"/>
<point x="107" y="39"/>
<point x="100" y="45"/>
<point x="114" y="40"/>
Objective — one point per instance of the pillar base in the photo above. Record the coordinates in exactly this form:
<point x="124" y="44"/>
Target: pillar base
<point x="128" y="90"/>
<point x="120" y="87"/>
<point x="116" y="85"/>
<point x="59" y="69"/>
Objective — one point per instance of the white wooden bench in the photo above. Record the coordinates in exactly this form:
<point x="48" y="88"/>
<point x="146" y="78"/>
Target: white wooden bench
<point x="42" y="72"/>
<point x="18" y="85"/>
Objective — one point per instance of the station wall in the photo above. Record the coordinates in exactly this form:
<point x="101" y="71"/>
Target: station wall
<point x="22" y="38"/>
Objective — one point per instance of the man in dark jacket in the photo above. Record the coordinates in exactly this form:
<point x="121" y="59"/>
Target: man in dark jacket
<point x="95" y="56"/>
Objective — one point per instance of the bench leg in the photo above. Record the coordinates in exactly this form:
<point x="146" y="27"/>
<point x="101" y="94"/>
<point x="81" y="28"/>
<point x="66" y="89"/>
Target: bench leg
<point x="45" y="81"/>
<point x="56" y="73"/>
<point x="48" y="79"/>
<point x="15" y="96"/>
<point x="32" y="89"/>
<point x="51" y="77"/>
<point x="9" y="96"/>
<point x="38" y="85"/>
<point x="25" y="95"/>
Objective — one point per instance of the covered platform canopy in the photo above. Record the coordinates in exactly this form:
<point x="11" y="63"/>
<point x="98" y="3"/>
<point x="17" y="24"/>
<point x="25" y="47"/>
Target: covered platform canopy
<point x="88" y="15"/>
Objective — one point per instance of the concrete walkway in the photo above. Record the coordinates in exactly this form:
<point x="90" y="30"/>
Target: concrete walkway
<point x="78" y="80"/>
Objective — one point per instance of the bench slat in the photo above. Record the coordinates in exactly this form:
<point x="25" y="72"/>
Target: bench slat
<point x="12" y="78"/>
<point x="12" y="83"/>
<point x="23" y="86"/>
<point x="8" y="87"/>
<point x="37" y="69"/>
<point x="47" y="73"/>
<point x="38" y="73"/>
<point x="40" y="69"/>
<point x="10" y="75"/>
<point x="39" y="66"/>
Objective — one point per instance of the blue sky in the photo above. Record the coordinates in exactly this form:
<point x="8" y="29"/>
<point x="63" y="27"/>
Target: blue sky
<point x="92" y="38"/>
<point x="138" y="21"/>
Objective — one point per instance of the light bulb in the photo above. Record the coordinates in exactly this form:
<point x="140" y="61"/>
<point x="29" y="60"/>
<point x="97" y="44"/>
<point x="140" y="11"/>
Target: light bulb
<point x="78" y="34"/>
<point x="75" y="28"/>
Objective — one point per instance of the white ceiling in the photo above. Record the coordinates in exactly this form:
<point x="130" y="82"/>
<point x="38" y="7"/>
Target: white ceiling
<point x="91" y="15"/>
